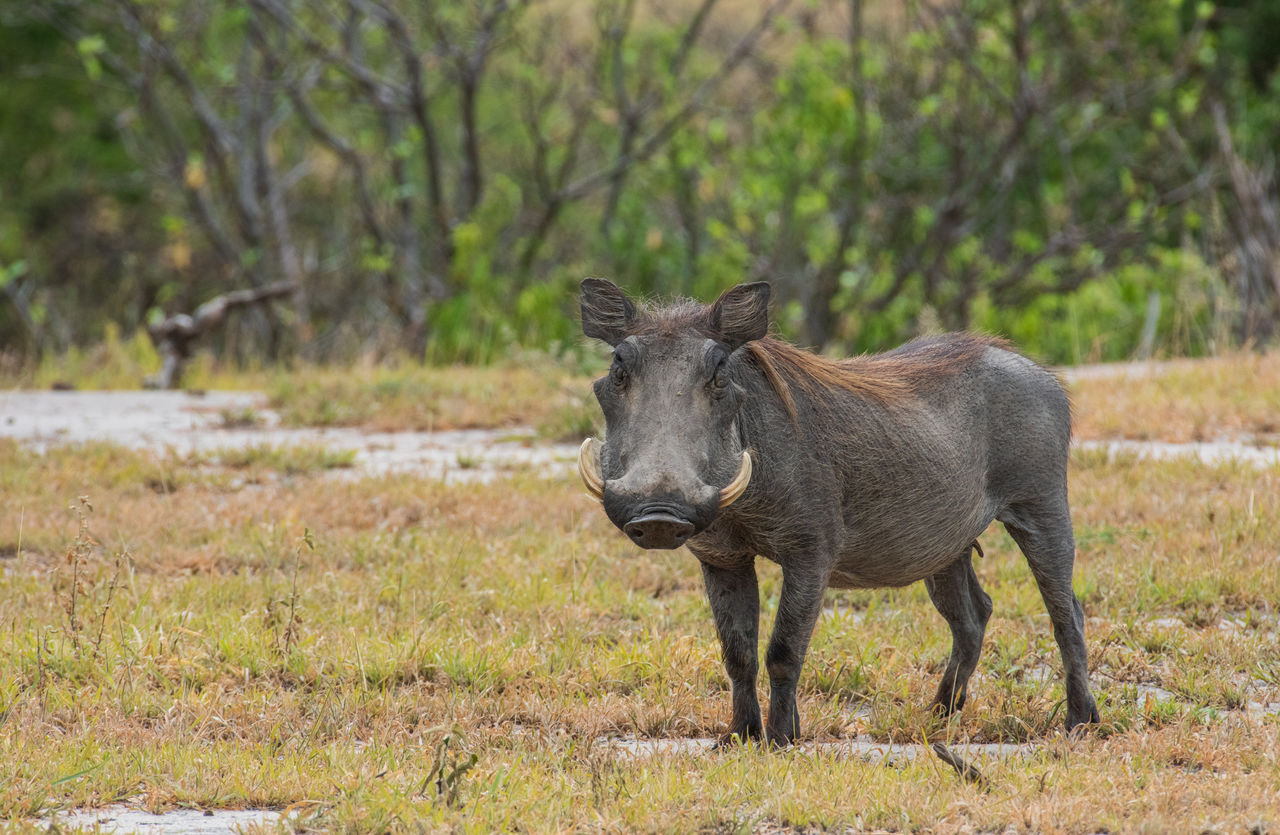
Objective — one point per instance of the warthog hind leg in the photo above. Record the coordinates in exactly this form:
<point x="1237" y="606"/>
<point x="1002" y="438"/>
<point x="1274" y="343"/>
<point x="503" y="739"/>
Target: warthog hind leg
<point x="1044" y="535"/>
<point x="958" y="597"/>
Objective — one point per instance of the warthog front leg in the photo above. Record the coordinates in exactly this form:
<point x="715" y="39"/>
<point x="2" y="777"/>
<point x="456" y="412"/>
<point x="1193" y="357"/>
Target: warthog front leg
<point x="735" y="602"/>
<point x="798" y="609"/>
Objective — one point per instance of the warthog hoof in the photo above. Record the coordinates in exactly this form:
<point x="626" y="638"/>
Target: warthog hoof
<point x="947" y="702"/>
<point x="736" y="739"/>
<point x="1078" y="722"/>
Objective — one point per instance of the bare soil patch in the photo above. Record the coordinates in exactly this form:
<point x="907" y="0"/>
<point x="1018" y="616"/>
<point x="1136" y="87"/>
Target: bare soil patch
<point x="124" y="819"/>
<point x="186" y="423"/>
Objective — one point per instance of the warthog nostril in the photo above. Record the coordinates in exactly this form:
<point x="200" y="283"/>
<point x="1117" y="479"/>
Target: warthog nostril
<point x="658" y="530"/>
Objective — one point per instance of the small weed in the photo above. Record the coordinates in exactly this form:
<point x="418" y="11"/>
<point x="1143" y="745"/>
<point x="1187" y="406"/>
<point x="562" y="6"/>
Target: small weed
<point x="450" y="767"/>
<point x="239" y="418"/>
<point x="845" y="677"/>
<point x="282" y="617"/>
<point x="83" y="587"/>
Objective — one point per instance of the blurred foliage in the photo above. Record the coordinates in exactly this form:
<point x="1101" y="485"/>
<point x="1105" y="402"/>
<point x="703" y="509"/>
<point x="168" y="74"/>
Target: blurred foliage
<point x="1090" y="180"/>
<point x="75" y="222"/>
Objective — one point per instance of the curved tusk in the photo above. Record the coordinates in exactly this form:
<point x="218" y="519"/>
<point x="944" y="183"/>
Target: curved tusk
<point x="738" y="486"/>
<point x="589" y="469"/>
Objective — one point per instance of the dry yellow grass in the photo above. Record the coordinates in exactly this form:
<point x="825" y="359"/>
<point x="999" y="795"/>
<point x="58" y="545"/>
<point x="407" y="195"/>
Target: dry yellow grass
<point x="431" y="399"/>
<point x="1236" y="397"/>
<point x="1232" y="397"/>
<point x="323" y="644"/>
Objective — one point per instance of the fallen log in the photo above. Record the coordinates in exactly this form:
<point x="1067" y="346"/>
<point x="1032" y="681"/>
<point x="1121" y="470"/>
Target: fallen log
<point x="175" y="336"/>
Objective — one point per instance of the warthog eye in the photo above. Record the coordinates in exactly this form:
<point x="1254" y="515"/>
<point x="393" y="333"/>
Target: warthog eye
<point x="618" y="375"/>
<point x="719" y="378"/>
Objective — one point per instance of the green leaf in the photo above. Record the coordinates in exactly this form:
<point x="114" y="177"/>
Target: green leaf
<point x="91" y="45"/>
<point x="14" y="271"/>
<point x="68" y="778"/>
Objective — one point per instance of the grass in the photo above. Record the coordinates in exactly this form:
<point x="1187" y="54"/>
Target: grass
<point x="1231" y="397"/>
<point x="120" y="362"/>
<point x="393" y="395"/>
<point x="395" y="654"/>
<point x="392" y="653"/>
<point x="430" y="399"/>
<point x="296" y="459"/>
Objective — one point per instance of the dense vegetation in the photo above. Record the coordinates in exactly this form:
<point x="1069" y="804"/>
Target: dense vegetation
<point x="1094" y="179"/>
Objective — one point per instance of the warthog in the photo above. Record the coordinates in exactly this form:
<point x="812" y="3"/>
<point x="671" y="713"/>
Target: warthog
<point x="863" y="473"/>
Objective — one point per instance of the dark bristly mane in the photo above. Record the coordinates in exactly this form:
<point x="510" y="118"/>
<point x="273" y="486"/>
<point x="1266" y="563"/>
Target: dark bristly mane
<point x="888" y="377"/>
<point x="671" y="319"/>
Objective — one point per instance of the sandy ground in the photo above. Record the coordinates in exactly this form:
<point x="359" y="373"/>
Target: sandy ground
<point x="861" y="747"/>
<point x="122" y="819"/>
<point x="1206" y="452"/>
<point x="186" y="423"/>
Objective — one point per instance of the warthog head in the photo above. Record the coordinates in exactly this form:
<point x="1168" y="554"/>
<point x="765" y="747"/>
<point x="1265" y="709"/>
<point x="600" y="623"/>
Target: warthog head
<point x="672" y="455"/>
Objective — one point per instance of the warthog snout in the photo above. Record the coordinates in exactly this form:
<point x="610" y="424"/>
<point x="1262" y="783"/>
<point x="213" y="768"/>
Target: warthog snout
<point x="659" y="511"/>
<point x="658" y="530"/>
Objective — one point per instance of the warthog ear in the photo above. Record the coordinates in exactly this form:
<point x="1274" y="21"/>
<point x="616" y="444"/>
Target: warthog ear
<point x="607" y="313"/>
<point x="742" y="314"/>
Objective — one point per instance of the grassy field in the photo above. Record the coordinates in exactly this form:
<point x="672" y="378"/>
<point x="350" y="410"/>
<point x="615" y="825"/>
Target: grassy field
<point x="393" y="654"/>
<point x="1233" y="397"/>
<point x="392" y="395"/>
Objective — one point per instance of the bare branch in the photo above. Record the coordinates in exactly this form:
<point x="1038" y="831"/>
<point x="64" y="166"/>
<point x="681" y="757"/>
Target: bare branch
<point x="175" y="336"/>
<point x="614" y="32"/>
<point x="378" y="87"/>
<point x="654" y="141"/>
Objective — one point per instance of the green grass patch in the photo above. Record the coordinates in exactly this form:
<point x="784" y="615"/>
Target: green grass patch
<point x="293" y="459"/>
<point x="430" y="399"/>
